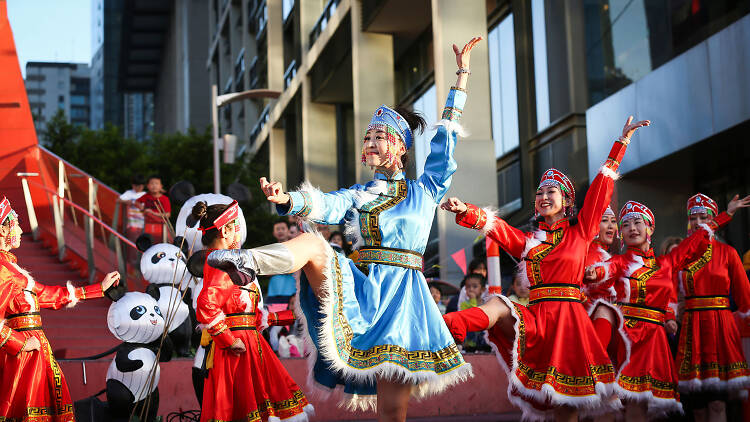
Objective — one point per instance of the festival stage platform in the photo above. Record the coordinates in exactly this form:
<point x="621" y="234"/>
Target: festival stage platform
<point x="484" y="395"/>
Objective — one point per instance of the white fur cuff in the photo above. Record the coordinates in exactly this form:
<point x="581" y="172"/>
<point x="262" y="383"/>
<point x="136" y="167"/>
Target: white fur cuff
<point x="73" y="300"/>
<point x="451" y="126"/>
<point x="491" y="220"/>
<point x="608" y="172"/>
<point x="705" y="227"/>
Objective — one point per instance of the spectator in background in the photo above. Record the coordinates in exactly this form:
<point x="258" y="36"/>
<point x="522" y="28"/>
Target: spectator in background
<point x="281" y="286"/>
<point x="437" y="295"/>
<point x="156" y="209"/>
<point x="475" y="286"/>
<point x="336" y="239"/>
<point x="134" y="220"/>
<point x="518" y="292"/>
<point x="293" y="230"/>
<point x="668" y="244"/>
<point x="476" y="266"/>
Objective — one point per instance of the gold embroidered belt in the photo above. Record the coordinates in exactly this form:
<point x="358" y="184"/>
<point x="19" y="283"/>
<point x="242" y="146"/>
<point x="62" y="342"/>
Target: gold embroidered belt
<point x="554" y="292"/>
<point x="25" y="321"/>
<point x="642" y="313"/>
<point x="389" y="256"/>
<point x="240" y="321"/>
<point x="706" y="303"/>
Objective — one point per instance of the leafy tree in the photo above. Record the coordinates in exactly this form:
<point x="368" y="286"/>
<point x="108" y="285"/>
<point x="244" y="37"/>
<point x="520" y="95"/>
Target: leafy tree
<point x="112" y="158"/>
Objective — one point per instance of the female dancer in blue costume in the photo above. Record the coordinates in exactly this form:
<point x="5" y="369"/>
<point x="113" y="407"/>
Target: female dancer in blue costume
<point x="380" y="332"/>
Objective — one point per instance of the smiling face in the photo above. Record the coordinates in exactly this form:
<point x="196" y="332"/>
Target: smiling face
<point x="548" y="201"/>
<point x="10" y="234"/>
<point x="635" y="232"/>
<point x="376" y="149"/>
<point x="607" y="229"/>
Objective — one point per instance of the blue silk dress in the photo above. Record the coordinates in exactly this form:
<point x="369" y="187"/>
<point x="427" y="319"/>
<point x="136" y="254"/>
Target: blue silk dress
<point x="383" y="322"/>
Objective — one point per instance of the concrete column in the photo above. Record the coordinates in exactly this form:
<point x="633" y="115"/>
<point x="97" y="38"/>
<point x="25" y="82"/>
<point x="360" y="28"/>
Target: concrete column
<point x="372" y="79"/>
<point x="275" y="48"/>
<point x="318" y="141"/>
<point x="476" y="178"/>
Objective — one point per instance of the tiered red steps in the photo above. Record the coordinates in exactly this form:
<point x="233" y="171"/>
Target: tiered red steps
<point x="73" y="332"/>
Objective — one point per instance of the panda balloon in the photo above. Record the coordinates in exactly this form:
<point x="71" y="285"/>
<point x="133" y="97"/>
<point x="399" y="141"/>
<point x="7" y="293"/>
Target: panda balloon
<point x="133" y="376"/>
<point x="187" y="227"/>
<point x="163" y="266"/>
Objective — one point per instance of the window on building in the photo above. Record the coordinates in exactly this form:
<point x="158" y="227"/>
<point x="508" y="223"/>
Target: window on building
<point x="503" y="93"/>
<point x="627" y="39"/>
<point x="541" y="82"/>
<point x="509" y="189"/>
<point x="78" y="100"/>
<point x="427" y="105"/>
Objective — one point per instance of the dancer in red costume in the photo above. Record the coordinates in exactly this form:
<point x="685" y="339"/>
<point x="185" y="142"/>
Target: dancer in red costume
<point x="710" y="361"/>
<point x="246" y="380"/>
<point x="32" y="386"/>
<point x="648" y="302"/>
<point x="557" y="365"/>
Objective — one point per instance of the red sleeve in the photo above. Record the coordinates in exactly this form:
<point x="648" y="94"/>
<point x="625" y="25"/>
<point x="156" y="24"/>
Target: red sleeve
<point x="508" y="237"/>
<point x="11" y="342"/>
<point x="143" y="198"/>
<point x="739" y="282"/>
<point x="600" y="192"/>
<point x="55" y="297"/>
<point x="671" y="313"/>
<point x="212" y="298"/>
<point x="689" y="249"/>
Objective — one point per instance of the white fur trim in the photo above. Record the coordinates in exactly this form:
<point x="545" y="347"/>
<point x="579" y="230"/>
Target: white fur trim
<point x="263" y="319"/>
<point x="307" y="412"/>
<point x="316" y="203"/>
<point x="71" y="295"/>
<point x="491" y="220"/>
<point x="606" y="277"/>
<point x="658" y="408"/>
<point x="451" y="126"/>
<point x="608" y="172"/>
<point x="743" y="314"/>
<point x="714" y="384"/>
<point x="673" y="306"/>
<point x="601" y="402"/>
<point x="633" y="266"/>
<point x="427" y="382"/>
<point x="705" y="227"/>
<point x="532" y="240"/>
<point x="30" y="283"/>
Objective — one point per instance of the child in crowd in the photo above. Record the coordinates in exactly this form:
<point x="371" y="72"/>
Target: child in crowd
<point x="437" y="295"/>
<point x="133" y="214"/>
<point x="156" y="208"/>
<point x="475" y="288"/>
<point x="518" y="292"/>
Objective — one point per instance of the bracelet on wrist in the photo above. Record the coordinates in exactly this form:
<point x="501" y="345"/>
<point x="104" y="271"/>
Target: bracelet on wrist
<point x="463" y="70"/>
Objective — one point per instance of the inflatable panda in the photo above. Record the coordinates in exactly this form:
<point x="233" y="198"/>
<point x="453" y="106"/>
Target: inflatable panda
<point x="137" y="320"/>
<point x="163" y="266"/>
<point x="187" y="228"/>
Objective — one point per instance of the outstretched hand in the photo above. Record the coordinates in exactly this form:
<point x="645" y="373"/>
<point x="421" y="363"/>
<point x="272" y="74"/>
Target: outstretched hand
<point x="274" y="192"/>
<point x="454" y="205"/>
<point x="590" y="273"/>
<point x="111" y="279"/>
<point x="737" y="203"/>
<point x="630" y="128"/>
<point x="463" y="56"/>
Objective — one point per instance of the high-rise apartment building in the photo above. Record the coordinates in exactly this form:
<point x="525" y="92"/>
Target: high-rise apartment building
<point x="58" y="86"/>
<point x="551" y="86"/>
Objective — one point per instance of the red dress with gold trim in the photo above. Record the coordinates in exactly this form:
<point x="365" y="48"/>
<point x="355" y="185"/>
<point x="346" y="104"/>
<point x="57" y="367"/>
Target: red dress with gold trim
<point x="555" y="357"/>
<point x="32" y="386"/>
<point x="598" y="292"/>
<point x="710" y="355"/>
<point x="252" y="386"/>
<point x="647" y="299"/>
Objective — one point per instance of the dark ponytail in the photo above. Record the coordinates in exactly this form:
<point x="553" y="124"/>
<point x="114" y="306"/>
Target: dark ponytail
<point x="416" y="122"/>
<point x="206" y="214"/>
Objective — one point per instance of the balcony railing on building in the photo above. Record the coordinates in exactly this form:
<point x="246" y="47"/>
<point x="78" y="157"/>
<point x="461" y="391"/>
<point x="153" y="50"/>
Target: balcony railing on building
<point x="260" y="18"/>
<point x="262" y="120"/>
<point x="323" y="20"/>
<point x="258" y="72"/>
<point x="290" y="73"/>
<point x="239" y="72"/>
<point x="287" y="6"/>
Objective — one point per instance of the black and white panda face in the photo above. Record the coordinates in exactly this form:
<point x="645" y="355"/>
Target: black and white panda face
<point x="136" y="318"/>
<point x="165" y="263"/>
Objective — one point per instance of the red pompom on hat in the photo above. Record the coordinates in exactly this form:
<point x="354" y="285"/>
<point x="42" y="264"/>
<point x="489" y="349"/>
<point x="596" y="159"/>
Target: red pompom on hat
<point x="554" y="177"/>
<point x="633" y="209"/>
<point x="700" y="203"/>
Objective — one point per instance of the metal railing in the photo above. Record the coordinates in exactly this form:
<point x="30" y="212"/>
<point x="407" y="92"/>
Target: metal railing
<point x="322" y="22"/>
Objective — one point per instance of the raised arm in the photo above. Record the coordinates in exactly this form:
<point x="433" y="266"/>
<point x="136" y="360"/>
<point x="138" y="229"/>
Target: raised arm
<point x="511" y="239"/>
<point x="600" y="192"/>
<point x="55" y="297"/>
<point x="309" y="202"/>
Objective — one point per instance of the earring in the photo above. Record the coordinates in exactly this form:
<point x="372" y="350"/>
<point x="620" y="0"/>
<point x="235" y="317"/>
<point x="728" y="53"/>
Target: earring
<point x="364" y="158"/>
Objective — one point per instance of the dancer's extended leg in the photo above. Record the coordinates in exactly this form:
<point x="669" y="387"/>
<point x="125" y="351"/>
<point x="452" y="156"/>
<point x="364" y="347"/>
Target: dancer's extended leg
<point x="393" y="400"/>
<point x="486" y="316"/>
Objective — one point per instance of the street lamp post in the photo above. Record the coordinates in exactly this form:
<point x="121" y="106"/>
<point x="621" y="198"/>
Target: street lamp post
<point x="220" y="100"/>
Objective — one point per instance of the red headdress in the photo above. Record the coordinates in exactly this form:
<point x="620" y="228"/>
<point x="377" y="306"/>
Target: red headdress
<point x="231" y="214"/>
<point x="633" y="209"/>
<point x="554" y="177"/>
<point x="6" y="210"/>
<point x="700" y="203"/>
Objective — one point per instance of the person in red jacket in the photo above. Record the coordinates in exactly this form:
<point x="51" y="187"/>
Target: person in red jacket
<point x="710" y="361"/>
<point x="556" y="364"/>
<point x="246" y="380"/>
<point x="648" y="303"/>
<point x="156" y="209"/>
<point x="31" y="382"/>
